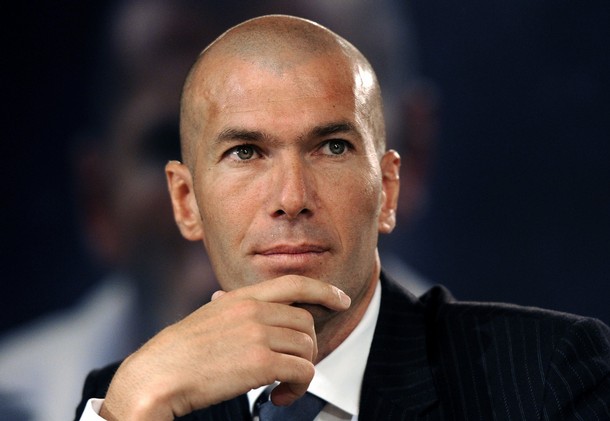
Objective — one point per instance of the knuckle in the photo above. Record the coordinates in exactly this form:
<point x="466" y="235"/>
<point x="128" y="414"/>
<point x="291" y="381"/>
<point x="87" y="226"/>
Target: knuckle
<point x="304" y="342"/>
<point x="307" y="371"/>
<point x="262" y="365"/>
<point x="261" y="358"/>
<point x="257" y="334"/>
<point x="246" y="309"/>
<point x="306" y="318"/>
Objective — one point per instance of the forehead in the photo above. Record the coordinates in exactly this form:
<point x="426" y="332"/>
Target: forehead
<point x="237" y="89"/>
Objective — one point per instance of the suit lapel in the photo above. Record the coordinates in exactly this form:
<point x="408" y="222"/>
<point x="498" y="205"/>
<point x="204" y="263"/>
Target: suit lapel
<point x="398" y="381"/>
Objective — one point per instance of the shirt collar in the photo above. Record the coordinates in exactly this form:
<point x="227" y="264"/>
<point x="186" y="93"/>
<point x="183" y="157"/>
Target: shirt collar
<point x="338" y="377"/>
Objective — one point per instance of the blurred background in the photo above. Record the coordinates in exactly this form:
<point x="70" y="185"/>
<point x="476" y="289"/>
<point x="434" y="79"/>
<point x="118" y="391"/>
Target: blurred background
<point x="501" y="112"/>
<point x="519" y="201"/>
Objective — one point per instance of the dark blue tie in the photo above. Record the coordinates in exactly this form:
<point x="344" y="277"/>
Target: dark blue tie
<point x="306" y="408"/>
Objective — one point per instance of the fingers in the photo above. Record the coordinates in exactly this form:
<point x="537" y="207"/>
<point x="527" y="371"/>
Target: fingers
<point x="286" y="393"/>
<point x="295" y="381"/>
<point x="290" y="289"/>
<point x="270" y="303"/>
<point x="278" y="327"/>
<point x="245" y="338"/>
<point x="292" y="342"/>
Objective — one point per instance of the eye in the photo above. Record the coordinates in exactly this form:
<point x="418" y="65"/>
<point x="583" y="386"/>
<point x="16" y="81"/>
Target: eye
<point x="243" y="152"/>
<point x="335" y="147"/>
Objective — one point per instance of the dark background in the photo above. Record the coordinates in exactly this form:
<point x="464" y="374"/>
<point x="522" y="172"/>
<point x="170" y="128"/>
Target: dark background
<point x="519" y="199"/>
<point x="47" y="66"/>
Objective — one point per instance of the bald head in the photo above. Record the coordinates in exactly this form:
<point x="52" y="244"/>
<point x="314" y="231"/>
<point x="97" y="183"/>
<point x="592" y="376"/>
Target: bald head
<point x="277" y="44"/>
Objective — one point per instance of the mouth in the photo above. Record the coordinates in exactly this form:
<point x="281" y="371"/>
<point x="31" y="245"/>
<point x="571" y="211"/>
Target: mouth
<point x="292" y="259"/>
<point x="293" y="250"/>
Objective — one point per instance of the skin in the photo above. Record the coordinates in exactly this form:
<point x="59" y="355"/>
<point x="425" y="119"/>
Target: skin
<point x="286" y="183"/>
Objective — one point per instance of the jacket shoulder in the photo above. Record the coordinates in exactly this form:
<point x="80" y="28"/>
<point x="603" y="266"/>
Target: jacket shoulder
<point x="543" y="363"/>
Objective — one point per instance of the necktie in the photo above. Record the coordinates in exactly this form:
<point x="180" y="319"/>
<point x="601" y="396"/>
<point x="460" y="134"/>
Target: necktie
<point x="306" y="408"/>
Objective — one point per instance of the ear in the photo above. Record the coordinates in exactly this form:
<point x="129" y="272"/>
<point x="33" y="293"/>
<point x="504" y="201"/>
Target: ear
<point x="390" y="171"/>
<point x="184" y="203"/>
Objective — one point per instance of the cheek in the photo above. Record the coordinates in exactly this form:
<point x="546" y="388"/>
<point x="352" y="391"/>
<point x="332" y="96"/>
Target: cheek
<point x="227" y="209"/>
<point x="355" y="199"/>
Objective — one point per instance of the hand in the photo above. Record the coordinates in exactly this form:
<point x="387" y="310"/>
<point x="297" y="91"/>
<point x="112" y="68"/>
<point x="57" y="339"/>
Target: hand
<point x="243" y="339"/>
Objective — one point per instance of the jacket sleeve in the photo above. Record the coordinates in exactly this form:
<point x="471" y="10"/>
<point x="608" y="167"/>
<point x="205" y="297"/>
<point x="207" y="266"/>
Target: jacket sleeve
<point x="577" y="384"/>
<point x="96" y="386"/>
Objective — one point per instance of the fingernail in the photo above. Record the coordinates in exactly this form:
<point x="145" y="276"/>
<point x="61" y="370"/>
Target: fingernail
<point x="217" y="294"/>
<point x="345" y="300"/>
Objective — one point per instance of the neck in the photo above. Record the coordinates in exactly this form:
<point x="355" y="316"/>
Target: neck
<point x="332" y="332"/>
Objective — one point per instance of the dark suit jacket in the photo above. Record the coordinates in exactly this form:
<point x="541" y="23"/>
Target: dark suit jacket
<point x="438" y="359"/>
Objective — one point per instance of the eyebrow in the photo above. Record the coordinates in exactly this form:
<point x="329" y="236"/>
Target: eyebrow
<point x="234" y="133"/>
<point x="333" y="128"/>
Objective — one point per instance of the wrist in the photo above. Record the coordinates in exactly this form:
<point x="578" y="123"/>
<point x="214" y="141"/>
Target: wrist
<point x="136" y="394"/>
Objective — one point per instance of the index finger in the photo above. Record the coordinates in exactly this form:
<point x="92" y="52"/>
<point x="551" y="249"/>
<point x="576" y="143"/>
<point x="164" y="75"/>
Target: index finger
<point x="292" y="289"/>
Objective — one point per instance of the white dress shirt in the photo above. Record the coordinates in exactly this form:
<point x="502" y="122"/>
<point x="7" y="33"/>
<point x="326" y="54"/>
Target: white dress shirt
<point x="338" y="377"/>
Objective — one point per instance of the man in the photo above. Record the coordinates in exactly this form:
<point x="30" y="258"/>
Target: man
<point x="152" y="277"/>
<point x="287" y="182"/>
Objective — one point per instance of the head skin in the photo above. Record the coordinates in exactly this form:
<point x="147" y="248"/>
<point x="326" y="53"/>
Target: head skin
<point x="285" y="169"/>
<point x="288" y="42"/>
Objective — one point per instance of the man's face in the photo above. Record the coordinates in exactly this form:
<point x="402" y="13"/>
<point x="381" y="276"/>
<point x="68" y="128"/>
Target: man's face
<point x="286" y="176"/>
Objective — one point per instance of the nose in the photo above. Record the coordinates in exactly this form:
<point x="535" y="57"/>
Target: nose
<point x="293" y="189"/>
